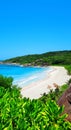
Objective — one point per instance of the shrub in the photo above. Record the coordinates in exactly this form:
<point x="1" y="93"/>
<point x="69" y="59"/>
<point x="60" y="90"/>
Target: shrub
<point x="17" y="113"/>
<point x="6" y="82"/>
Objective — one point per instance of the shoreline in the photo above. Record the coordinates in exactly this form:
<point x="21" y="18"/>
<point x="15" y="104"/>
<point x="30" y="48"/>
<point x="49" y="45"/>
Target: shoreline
<point x="35" y="77"/>
<point x="23" y="65"/>
<point x="58" y="76"/>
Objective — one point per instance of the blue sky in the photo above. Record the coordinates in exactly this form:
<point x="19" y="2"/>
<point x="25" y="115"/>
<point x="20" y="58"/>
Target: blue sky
<point x="34" y="26"/>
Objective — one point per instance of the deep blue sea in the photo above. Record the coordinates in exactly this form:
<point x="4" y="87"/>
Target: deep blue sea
<point x="22" y="75"/>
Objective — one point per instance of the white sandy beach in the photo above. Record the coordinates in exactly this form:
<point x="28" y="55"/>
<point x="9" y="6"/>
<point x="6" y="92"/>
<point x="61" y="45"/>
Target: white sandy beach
<point x="36" y="89"/>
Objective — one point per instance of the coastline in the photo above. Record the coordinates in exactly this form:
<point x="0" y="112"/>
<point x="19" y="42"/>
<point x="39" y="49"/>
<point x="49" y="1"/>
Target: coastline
<point x="14" y="64"/>
<point x="23" y="65"/>
<point x="57" y="76"/>
<point x="34" y="77"/>
<point x="33" y="90"/>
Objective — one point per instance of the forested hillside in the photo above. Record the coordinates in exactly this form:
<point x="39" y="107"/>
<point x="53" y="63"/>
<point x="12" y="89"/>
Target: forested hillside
<point x="49" y="58"/>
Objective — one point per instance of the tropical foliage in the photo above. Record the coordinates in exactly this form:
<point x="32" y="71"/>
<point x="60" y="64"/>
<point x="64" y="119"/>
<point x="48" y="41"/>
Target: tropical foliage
<point x="68" y="67"/>
<point x="54" y="95"/>
<point x="17" y="113"/>
<point x="6" y="82"/>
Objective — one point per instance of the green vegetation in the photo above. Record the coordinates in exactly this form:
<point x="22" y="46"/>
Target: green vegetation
<point x="68" y="67"/>
<point x="54" y="95"/>
<point x="17" y="113"/>
<point x="62" y="58"/>
<point x="6" y="82"/>
<point x="59" y="58"/>
<point x="50" y="58"/>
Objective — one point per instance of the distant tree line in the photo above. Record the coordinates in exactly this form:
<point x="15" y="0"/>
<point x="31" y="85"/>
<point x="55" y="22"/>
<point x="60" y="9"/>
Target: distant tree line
<point x="49" y="58"/>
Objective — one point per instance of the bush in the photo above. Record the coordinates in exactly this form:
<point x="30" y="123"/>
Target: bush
<point x="68" y="67"/>
<point x="23" y="114"/>
<point x="17" y="113"/>
<point x="69" y="82"/>
<point x="6" y="82"/>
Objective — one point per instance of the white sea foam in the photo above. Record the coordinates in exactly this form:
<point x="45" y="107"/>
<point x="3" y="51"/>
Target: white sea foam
<point x="32" y="78"/>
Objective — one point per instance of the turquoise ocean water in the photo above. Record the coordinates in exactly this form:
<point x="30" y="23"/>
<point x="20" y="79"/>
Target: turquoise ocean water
<point x="22" y="75"/>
